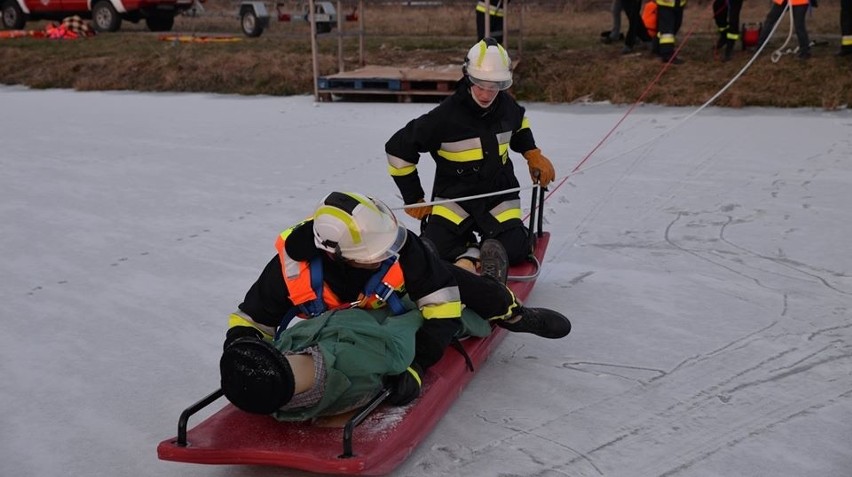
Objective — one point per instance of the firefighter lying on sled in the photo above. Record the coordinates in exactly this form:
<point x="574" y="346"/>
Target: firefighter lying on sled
<point x="381" y="308"/>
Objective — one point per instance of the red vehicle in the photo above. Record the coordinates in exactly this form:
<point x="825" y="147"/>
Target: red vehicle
<point x="106" y="15"/>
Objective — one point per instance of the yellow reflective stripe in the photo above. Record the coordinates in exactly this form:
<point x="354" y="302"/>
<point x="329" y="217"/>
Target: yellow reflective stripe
<point x="446" y="213"/>
<point x="510" y="312"/>
<point x="241" y="319"/>
<point x="667" y="39"/>
<point x="443" y="303"/>
<point x="495" y="11"/>
<point x="846" y="40"/>
<point x="287" y="232"/>
<point x="401" y="171"/>
<point x="343" y="217"/>
<point x="366" y="203"/>
<point x="461" y="156"/>
<point x="525" y="123"/>
<point x="503" y="149"/>
<point x="237" y="320"/>
<point x="445" y="310"/>
<point x="415" y="374"/>
<point x="733" y="36"/>
<point x="508" y="215"/>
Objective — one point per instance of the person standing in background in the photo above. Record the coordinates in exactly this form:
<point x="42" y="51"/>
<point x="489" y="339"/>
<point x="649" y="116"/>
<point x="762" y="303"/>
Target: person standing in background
<point x="494" y="10"/>
<point x="669" y="19"/>
<point x="726" y="14"/>
<point x="845" y="28"/>
<point x="469" y="136"/>
<point x="614" y="34"/>
<point x="636" y="29"/>
<point x="800" y="11"/>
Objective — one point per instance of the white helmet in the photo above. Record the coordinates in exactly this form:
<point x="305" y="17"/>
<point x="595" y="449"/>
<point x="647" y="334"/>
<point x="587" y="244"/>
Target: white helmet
<point x="357" y="228"/>
<point x="488" y="65"/>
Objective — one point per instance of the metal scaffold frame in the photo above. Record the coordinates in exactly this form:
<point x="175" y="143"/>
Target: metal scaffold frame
<point x="361" y="33"/>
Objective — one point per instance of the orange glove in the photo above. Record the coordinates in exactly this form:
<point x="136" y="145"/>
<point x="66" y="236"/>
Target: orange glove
<point x="419" y="212"/>
<point x="540" y="166"/>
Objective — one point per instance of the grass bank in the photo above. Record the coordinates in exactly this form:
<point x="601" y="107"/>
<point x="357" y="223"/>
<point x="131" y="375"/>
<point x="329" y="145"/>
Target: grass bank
<point x="561" y="56"/>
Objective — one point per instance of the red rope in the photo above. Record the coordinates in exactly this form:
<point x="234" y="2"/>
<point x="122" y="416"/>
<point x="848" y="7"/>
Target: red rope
<point x="629" y="110"/>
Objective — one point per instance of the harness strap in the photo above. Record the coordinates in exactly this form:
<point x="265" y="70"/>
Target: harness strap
<point x="384" y="291"/>
<point x="456" y="344"/>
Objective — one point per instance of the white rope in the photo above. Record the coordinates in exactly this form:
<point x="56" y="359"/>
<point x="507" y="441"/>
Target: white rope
<point x="777" y="54"/>
<point x="640" y="145"/>
<point x="689" y="116"/>
<point x="463" y="199"/>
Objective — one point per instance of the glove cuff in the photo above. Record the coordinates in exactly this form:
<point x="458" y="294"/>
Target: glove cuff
<point x="532" y="153"/>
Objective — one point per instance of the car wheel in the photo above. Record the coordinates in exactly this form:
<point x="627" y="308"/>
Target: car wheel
<point x="13" y="16"/>
<point x="323" y="27"/>
<point x="252" y="28"/>
<point x="163" y="22"/>
<point x="104" y="17"/>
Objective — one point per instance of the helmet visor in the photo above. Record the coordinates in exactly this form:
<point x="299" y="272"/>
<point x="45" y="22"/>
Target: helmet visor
<point x="491" y="85"/>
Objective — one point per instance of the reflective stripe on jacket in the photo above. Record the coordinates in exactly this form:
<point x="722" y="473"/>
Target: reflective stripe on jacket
<point x="470" y="147"/>
<point x="672" y="3"/>
<point x="496" y="9"/>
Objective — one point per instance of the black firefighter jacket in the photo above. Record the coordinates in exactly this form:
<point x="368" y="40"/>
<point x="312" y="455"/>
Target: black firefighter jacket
<point x="470" y="146"/>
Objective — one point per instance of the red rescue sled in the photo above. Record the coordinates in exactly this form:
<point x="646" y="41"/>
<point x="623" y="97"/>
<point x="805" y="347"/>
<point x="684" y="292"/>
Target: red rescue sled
<point x="385" y="435"/>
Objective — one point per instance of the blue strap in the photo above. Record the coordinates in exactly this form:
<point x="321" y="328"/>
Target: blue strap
<point x="316" y="306"/>
<point x="375" y="286"/>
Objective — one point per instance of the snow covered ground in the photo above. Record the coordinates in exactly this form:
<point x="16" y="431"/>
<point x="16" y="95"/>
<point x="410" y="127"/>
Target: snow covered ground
<point x="707" y="270"/>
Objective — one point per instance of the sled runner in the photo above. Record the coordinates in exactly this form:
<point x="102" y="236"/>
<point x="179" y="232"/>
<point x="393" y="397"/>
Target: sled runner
<point x="384" y="437"/>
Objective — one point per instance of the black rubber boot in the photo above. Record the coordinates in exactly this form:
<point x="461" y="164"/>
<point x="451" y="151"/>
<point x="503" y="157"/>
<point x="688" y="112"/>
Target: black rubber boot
<point x="729" y="50"/>
<point x="539" y="321"/>
<point x="494" y="261"/>
<point x="723" y="38"/>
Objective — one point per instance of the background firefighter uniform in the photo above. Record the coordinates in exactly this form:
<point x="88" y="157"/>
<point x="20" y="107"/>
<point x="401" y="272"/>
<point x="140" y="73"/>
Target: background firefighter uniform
<point x="669" y="19"/>
<point x="494" y="10"/>
<point x="845" y="28"/>
<point x="726" y="15"/>
<point x="800" y="10"/>
<point x="470" y="146"/>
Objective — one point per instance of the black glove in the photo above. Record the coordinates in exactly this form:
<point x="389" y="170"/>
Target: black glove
<point x="240" y="332"/>
<point x="405" y="387"/>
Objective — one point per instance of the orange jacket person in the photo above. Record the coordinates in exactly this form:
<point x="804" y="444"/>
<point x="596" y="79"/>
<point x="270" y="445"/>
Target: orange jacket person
<point x="800" y="9"/>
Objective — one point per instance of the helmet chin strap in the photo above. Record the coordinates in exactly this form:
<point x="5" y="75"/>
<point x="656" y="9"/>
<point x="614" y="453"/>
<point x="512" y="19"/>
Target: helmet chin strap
<point x="476" y="100"/>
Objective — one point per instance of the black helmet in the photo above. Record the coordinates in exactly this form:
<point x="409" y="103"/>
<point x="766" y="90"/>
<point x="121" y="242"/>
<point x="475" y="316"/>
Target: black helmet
<point x="255" y="376"/>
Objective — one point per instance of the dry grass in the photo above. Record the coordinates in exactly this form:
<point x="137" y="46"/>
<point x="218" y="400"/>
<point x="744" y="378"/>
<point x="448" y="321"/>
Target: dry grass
<point x="561" y="57"/>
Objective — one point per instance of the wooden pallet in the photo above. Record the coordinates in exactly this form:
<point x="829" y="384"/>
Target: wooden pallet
<point x="398" y="83"/>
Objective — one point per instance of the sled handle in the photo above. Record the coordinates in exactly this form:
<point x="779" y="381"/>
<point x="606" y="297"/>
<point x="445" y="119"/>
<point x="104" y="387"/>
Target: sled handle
<point x="537" y="211"/>
<point x="357" y="419"/>
<point x="184" y="416"/>
<point x="540" y="211"/>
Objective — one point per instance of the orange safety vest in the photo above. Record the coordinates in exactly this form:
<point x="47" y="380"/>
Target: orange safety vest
<point x="298" y="278"/>
<point x="794" y="3"/>
<point x="649" y="18"/>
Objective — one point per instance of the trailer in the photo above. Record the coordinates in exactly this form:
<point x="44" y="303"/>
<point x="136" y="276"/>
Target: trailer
<point x="255" y="17"/>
